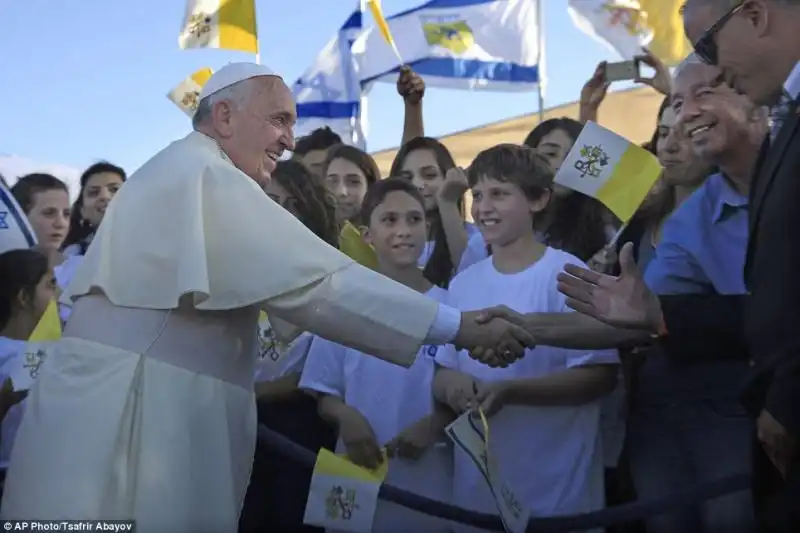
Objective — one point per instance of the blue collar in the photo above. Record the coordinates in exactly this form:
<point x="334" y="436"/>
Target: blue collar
<point x="728" y="199"/>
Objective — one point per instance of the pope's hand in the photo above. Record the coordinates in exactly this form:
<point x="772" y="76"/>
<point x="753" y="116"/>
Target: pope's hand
<point x="501" y="342"/>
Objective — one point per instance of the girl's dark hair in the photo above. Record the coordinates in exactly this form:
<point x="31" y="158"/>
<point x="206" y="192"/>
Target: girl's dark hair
<point x="579" y="222"/>
<point x="358" y="157"/>
<point x="653" y="142"/>
<point x="440" y="268"/>
<point x="28" y="186"/>
<point x="20" y="270"/>
<point x="660" y="204"/>
<point x="378" y="191"/>
<point x="315" y="206"/>
<point x="569" y="126"/>
<point x="79" y="229"/>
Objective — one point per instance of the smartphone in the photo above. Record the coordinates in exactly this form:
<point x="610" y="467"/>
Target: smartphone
<point x="622" y="71"/>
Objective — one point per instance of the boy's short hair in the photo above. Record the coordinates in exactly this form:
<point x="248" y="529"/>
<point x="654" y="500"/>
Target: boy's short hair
<point x="319" y="139"/>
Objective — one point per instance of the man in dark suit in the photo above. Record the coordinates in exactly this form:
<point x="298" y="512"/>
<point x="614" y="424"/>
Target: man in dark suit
<point x="757" y="44"/>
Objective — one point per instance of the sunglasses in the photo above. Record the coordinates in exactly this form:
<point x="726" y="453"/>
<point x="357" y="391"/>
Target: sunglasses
<point x="706" y="46"/>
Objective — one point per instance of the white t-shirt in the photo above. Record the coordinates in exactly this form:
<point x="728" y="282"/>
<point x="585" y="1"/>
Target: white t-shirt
<point x="10" y="350"/>
<point x="428" y="250"/>
<point x="612" y="419"/>
<point x="474" y="252"/>
<point x="64" y="274"/>
<point x="552" y="457"/>
<point x="391" y="398"/>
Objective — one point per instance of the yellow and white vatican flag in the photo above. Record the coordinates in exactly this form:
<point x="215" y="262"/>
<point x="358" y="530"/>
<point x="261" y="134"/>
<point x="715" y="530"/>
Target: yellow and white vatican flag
<point x="228" y="24"/>
<point x="628" y="25"/>
<point x="610" y="168"/>
<point x="187" y="94"/>
<point x="470" y="432"/>
<point x="15" y="230"/>
<point x="343" y="496"/>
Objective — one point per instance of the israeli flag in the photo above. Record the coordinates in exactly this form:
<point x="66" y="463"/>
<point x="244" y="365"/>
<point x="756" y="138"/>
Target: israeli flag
<point x="492" y="45"/>
<point x="329" y="92"/>
<point x="15" y="231"/>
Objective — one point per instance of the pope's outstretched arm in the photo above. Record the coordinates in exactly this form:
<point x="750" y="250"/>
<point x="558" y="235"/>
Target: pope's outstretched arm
<point x="365" y="310"/>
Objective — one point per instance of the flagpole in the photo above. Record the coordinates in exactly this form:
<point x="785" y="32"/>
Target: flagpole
<point x="258" y="42"/>
<point x="540" y="21"/>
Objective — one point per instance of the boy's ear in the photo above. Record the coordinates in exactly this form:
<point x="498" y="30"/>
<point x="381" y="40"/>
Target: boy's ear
<point x="540" y="203"/>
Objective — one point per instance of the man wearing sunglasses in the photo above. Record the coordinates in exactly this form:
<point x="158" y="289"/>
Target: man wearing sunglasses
<point x="757" y="45"/>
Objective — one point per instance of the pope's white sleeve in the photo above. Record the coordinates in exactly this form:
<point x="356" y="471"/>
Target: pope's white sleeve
<point x="365" y="310"/>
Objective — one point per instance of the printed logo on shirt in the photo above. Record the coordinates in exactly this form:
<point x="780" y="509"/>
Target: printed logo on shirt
<point x="267" y="345"/>
<point x="431" y="350"/>
<point x="33" y="360"/>
<point x="340" y="503"/>
<point x="592" y="162"/>
<point x="3" y="222"/>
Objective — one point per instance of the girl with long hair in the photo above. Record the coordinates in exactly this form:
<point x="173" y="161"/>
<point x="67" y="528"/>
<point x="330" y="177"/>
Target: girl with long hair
<point x="427" y="164"/>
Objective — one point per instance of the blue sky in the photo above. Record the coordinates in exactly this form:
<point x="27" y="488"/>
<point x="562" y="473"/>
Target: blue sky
<point x="84" y="80"/>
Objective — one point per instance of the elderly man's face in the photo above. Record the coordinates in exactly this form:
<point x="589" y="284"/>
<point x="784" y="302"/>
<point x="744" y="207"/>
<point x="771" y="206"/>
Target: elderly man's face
<point x="715" y="118"/>
<point x="258" y="130"/>
<point x="736" y="35"/>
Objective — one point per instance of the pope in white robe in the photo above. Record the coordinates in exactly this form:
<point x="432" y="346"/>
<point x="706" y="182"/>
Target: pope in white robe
<point x="145" y="410"/>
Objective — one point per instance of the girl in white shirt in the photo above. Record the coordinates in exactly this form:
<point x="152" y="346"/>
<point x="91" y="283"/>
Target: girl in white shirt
<point x="375" y="404"/>
<point x="99" y="184"/>
<point x="544" y="409"/>
<point x="27" y="286"/>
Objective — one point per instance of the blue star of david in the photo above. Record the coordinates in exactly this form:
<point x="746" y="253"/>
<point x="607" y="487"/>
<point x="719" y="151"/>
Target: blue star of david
<point x="3" y="223"/>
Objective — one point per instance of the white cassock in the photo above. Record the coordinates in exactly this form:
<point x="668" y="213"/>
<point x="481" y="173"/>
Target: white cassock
<point x="145" y="410"/>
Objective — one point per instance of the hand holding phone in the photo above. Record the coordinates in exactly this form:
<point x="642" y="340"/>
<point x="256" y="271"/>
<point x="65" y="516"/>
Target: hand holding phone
<point x="622" y="71"/>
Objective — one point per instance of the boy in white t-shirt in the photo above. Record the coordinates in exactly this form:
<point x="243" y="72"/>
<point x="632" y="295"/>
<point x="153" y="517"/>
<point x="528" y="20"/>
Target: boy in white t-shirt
<point x="545" y="408"/>
<point x="375" y="404"/>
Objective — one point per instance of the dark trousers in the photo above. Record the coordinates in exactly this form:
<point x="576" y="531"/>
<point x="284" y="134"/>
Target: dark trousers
<point x="276" y="496"/>
<point x="776" y="500"/>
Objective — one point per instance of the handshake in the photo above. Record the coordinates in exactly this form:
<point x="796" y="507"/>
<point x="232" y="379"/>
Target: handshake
<point x="495" y="336"/>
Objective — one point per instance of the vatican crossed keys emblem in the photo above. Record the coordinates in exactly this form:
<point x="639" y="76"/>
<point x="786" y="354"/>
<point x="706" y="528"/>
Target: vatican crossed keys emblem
<point x="190" y="100"/>
<point x="592" y="161"/>
<point x="340" y="503"/>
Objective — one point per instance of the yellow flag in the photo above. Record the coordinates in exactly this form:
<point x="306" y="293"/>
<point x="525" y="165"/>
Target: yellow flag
<point x="383" y="26"/>
<point x="186" y="95"/>
<point x="352" y="245"/>
<point x="343" y="496"/>
<point x="664" y="19"/>
<point x="49" y="326"/>
<point x="228" y="24"/>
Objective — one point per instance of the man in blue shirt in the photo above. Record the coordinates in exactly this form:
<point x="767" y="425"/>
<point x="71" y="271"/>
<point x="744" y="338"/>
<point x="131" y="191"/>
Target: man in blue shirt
<point x="687" y="424"/>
